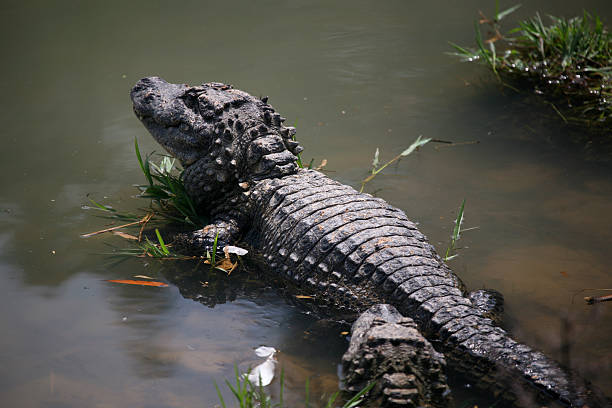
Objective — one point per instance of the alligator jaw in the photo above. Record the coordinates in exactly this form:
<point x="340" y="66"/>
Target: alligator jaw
<point x="166" y="110"/>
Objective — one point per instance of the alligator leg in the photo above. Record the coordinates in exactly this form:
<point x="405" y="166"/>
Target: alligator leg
<point x="224" y="228"/>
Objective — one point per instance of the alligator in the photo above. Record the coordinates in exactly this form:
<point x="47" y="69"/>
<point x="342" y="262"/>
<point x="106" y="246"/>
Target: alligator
<point x="347" y="248"/>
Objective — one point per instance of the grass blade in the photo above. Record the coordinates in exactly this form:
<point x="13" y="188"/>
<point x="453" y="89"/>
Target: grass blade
<point x="162" y="243"/>
<point x="415" y="145"/>
<point x="144" y="166"/>
<point x="357" y="399"/>
<point x="213" y="258"/>
<point x="500" y="16"/>
<point x="220" y="396"/>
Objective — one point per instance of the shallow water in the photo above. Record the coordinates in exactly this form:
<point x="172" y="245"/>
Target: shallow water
<point x="353" y="76"/>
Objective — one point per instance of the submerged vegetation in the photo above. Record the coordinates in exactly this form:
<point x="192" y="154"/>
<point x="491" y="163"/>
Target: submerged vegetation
<point x="568" y="62"/>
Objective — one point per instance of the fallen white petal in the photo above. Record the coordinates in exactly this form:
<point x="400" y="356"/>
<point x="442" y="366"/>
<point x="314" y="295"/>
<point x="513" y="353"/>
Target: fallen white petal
<point x="230" y="249"/>
<point x="264" y="351"/>
<point x="262" y="374"/>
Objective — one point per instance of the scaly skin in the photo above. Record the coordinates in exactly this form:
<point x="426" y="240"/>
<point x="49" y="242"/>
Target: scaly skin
<point x="387" y="348"/>
<point x="348" y="248"/>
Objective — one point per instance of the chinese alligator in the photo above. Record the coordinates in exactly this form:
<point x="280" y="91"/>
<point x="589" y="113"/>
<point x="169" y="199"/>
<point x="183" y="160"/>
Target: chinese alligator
<point x="351" y="249"/>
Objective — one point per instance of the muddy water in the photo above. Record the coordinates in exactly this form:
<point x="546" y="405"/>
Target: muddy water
<point x="353" y="76"/>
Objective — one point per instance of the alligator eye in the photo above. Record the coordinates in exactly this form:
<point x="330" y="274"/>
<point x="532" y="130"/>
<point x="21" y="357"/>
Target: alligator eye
<point x="191" y="101"/>
<point x="184" y="128"/>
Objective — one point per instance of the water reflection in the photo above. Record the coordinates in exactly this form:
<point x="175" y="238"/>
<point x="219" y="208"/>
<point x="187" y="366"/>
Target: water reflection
<point x="354" y="76"/>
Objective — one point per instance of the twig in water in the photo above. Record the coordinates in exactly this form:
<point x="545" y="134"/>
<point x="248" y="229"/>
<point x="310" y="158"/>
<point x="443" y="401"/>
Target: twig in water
<point x="91" y="234"/>
<point x="597" y="299"/>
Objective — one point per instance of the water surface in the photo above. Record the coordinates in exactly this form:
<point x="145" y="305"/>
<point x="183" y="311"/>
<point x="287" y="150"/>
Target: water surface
<point x="352" y="76"/>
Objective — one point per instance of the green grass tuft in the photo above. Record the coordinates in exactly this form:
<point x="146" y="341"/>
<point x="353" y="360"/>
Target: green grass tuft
<point x="248" y="395"/>
<point x="166" y="189"/>
<point x="567" y="61"/>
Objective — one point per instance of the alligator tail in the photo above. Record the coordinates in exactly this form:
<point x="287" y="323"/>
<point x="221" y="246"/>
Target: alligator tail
<point x="487" y="354"/>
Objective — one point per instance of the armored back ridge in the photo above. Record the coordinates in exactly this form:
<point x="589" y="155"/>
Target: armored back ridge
<point x="348" y="249"/>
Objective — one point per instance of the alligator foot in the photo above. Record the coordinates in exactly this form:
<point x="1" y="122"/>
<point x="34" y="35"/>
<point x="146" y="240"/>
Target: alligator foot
<point x="387" y="348"/>
<point x="201" y="241"/>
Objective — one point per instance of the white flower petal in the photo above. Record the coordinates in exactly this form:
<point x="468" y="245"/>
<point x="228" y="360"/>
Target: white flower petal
<point x="264" y="351"/>
<point x="230" y="249"/>
<point x="262" y="374"/>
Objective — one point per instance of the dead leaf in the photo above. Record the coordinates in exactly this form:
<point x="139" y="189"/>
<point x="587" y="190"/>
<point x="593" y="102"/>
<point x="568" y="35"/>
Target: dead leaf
<point x="124" y="235"/>
<point x="344" y="333"/>
<point x="143" y="277"/>
<point x="136" y="282"/>
<point x="563" y="273"/>
<point x="225" y="265"/>
<point x="303" y="297"/>
<point x="495" y="38"/>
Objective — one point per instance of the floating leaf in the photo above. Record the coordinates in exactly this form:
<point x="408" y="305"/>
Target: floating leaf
<point x="137" y="282"/>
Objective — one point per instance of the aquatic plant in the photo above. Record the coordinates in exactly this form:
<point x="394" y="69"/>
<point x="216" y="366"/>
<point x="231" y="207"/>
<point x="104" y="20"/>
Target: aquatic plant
<point x="166" y="189"/>
<point x="568" y="62"/>
<point x="419" y="142"/>
<point x="248" y="395"/>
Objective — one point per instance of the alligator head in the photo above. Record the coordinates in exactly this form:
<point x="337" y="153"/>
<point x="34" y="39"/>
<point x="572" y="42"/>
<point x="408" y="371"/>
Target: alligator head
<point x="221" y="136"/>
